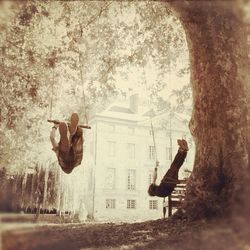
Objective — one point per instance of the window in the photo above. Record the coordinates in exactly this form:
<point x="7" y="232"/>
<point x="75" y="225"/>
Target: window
<point x="109" y="127"/>
<point x="153" y="204"/>
<point x="131" y="151"/>
<point x="110" y="178"/>
<point x="111" y="148"/>
<point x="110" y="203"/>
<point x="131" y="130"/>
<point x="131" y="204"/>
<point x="151" y="153"/>
<point x="131" y="179"/>
<point x="169" y="154"/>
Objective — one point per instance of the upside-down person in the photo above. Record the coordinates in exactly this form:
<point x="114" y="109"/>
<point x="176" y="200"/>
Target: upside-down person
<point x="170" y="179"/>
<point x="69" y="149"/>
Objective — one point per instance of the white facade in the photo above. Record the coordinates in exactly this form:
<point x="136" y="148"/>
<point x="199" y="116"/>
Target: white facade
<point x="120" y="146"/>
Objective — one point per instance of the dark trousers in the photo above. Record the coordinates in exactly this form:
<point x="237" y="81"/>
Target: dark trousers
<point x="172" y="173"/>
<point x="71" y="159"/>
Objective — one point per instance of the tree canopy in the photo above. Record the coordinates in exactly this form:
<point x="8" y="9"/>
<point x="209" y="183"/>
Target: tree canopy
<point x="59" y="57"/>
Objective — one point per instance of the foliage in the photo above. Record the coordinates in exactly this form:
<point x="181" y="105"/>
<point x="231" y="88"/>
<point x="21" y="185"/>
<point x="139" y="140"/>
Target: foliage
<point x="29" y="191"/>
<point x="183" y="98"/>
<point x="59" y="57"/>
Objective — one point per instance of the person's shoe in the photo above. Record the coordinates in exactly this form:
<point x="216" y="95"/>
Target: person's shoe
<point x="64" y="140"/>
<point x="179" y="142"/>
<point x="184" y="145"/>
<point x="74" y="119"/>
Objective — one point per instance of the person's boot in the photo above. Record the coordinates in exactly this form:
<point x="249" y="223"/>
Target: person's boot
<point x="184" y="145"/>
<point x="179" y="142"/>
<point x="64" y="140"/>
<point x="74" y="119"/>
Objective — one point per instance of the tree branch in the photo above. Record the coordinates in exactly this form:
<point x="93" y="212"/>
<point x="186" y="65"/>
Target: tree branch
<point x="97" y="15"/>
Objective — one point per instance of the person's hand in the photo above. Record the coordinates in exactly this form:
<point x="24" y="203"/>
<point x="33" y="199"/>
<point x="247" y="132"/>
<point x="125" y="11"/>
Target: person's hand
<point x="154" y="176"/>
<point x="185" y="145"/>
<point x="56" y="124"/>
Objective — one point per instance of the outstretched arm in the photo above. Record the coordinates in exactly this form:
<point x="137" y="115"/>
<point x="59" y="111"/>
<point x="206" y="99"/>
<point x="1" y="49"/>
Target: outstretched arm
<point x="155" y="172"/>
<point x="53" y="137"/>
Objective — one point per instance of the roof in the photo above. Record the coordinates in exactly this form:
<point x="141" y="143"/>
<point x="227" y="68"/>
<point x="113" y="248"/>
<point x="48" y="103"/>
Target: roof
<point x="167" y="119"/>
<point x="149" y="113"/>
<point x="121" y="109"/>
<point x="130" y="117"/>
<point x="121" y="113"/>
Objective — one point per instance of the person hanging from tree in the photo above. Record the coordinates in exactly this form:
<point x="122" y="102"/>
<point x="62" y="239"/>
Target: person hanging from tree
<point x="69" y="149"/>
<point x="170" y="179"/>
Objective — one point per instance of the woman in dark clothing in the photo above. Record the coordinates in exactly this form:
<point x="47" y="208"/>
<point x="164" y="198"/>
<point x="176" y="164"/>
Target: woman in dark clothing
<point x="170" y="179"/>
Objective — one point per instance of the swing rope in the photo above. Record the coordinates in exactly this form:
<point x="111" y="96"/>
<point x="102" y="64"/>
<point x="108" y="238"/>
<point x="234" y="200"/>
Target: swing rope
<point x="151" y="123"/>
<point x="52" y="93"/>
<point x="83" y="93"/>
<point x="81" y="76"/>
<point x="157" y="165"/>
<point x="51" y="103"/>
<point x="153" y="135"/>
<point x="53" y="81"/>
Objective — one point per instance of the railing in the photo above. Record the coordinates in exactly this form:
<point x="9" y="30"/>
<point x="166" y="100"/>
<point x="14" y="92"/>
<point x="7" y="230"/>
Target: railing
<point x="176" y="198"/>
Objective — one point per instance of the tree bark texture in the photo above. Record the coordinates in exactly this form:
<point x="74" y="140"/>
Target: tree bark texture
<point x="215" y="31"/>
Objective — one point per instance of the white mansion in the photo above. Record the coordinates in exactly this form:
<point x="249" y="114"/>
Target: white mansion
<point x="120" y="158"/>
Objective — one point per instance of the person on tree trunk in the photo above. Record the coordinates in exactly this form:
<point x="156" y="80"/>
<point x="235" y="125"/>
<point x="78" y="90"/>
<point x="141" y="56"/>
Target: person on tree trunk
<point x="170" y="179"/>
<point x="69" y="150"/>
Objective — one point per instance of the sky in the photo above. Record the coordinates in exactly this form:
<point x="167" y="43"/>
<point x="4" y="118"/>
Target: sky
<point x="174" y="82"/>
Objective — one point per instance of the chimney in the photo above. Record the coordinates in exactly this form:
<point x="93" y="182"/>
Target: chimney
<point x="134" y="103"/>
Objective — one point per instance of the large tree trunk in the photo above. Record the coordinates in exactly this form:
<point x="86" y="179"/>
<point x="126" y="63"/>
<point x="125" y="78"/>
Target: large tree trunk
<point x="219" y="184"/>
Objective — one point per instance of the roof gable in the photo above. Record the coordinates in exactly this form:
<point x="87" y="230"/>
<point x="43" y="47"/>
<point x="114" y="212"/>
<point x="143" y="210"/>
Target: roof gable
<point x="120" y="109"/>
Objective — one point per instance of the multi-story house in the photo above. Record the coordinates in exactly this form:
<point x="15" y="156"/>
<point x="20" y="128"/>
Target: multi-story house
<point x="120" y="158"/>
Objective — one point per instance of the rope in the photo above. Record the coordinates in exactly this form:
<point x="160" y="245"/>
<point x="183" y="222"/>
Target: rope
<point x="83" y="92"/>
<point x="91" y="20"/>
<point x="156" y="166"/>
<point x="153" y="134"/>
<point x="156" y="158"/>
<point x="52" y="93"/>
<point x="81" y="75"/>
<point x="53" y="82"/>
